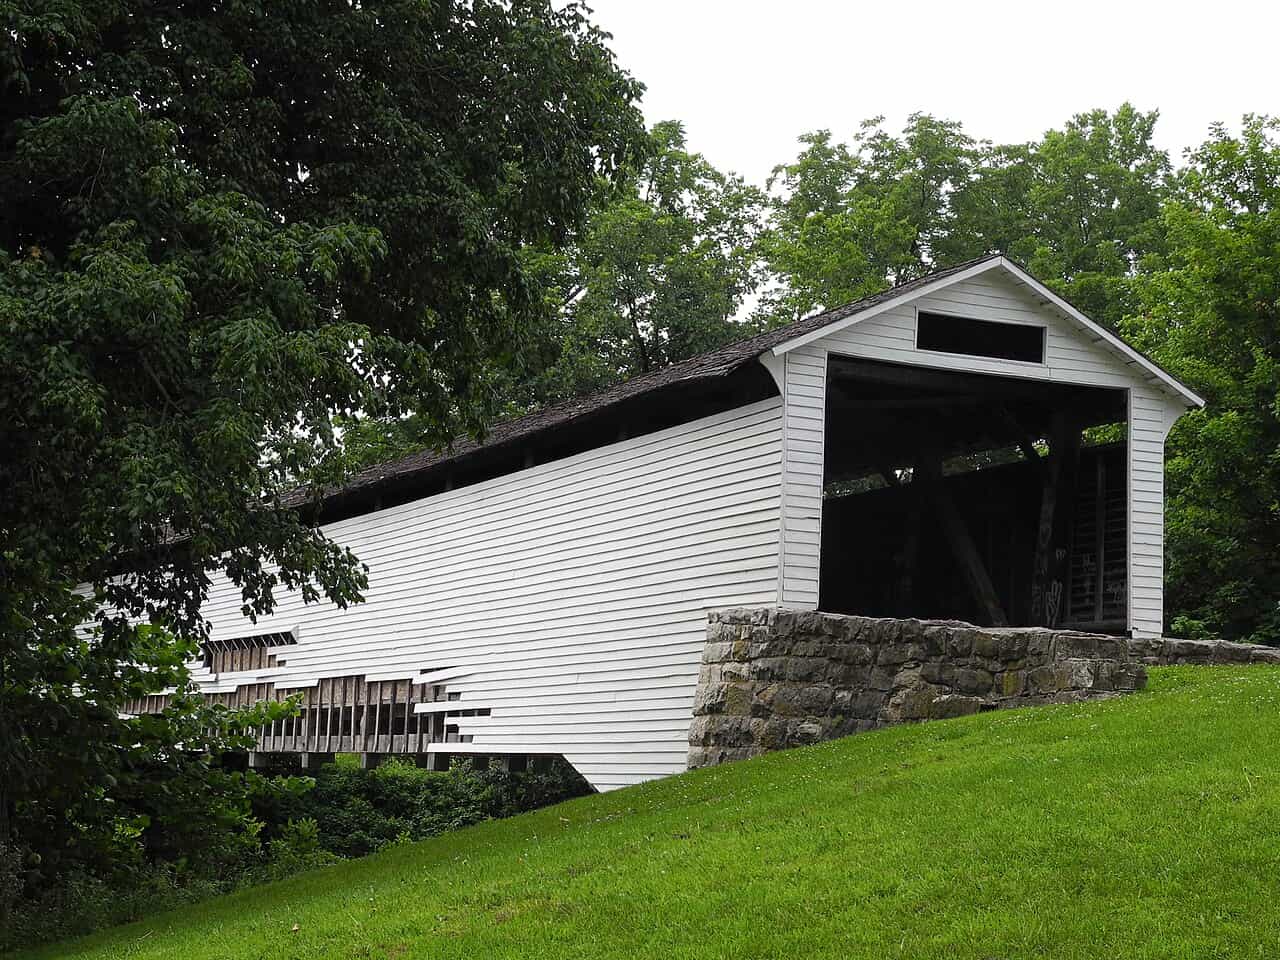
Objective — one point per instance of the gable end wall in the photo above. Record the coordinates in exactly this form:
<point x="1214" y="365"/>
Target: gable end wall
<point x="1072" y="355"/>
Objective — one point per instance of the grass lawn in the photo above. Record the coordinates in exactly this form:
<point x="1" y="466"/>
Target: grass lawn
<point x="1142" y="827"/>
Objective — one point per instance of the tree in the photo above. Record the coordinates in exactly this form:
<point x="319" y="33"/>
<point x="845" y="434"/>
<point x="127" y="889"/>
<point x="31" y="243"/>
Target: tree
<point x="1080" y="206"/>
<point x="657" y="274"/>
<point x="219" y="228"/>
<point x="849" y="221"/>
<point x="1209" y="310"/>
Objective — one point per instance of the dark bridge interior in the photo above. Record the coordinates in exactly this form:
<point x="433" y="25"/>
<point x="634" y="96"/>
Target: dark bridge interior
<point x="981" y="498"/>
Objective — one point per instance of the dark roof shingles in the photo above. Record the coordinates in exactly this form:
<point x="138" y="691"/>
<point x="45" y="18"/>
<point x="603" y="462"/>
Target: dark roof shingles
<point x="715" y="363"/>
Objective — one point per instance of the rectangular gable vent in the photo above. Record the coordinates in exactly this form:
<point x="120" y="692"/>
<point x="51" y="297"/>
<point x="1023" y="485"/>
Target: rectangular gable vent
<point x="940" y="333"/>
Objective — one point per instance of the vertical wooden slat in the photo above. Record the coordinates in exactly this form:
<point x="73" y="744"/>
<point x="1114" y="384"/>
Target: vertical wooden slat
<point x="347" y="721"/>
<point x="417" y="719"/>
<point x="330" y="703"/>
<point x="391" y="744"/>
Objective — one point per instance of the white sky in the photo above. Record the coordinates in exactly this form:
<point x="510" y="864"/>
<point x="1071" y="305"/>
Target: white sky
<point x="748" y="77"/>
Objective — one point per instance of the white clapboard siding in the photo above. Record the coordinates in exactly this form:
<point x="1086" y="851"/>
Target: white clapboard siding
<point x="805" y="379"/>
<point x="569" y="598"/>
<point x="1072" y="355"/>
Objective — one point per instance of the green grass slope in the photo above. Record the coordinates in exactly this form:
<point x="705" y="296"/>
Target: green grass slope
<point x="1140" y="827"/>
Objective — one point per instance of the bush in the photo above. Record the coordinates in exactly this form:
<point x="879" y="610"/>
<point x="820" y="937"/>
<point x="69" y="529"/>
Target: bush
<point x="156" y="863"/>
<point x="359" y="811"/>
<point x="80" y="903"/>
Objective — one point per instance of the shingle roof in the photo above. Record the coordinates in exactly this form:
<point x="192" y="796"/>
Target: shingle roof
<point x="715" y="363"/>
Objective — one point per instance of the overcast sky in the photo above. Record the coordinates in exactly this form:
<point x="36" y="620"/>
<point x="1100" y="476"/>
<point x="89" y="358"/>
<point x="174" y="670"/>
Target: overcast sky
<point x="748" y="77"/>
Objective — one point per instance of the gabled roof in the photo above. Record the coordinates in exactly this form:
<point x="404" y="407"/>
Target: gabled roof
<point x="726" y="360"/>
<point x="842" y="317"/>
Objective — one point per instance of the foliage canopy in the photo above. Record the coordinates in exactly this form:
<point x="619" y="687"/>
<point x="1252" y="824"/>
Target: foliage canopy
<point x="219" y="228"/>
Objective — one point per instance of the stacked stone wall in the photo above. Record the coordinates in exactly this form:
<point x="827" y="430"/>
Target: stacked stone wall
<point x="775" y="678"/>
<point x="1166" y="652"/>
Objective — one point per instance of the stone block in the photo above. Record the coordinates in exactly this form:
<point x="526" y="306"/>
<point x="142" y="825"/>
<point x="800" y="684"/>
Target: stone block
<point x="816" y="700"/>
<point x="784" y="623"/>
<point x="727" y="732"/>
<point x="714" y="756"/>
<point x="832" y="626"/>
<point x="1044" y="680"/>
<point x="718" y="631"/>
<point x="762" y="700"/>
<point x="717" y="651"/>
<point x="737" y="699"/>
<point x="933" y="639"/>
<point x="851" y="629"/>
<point x="1104" y="675"/>
<point x="986" y="645"/>
<point x="700" y="730"/>
<point x="1081" y="674"/>
<point x="868" y="704"/>
<point x="709" y="698"/>
<point x="842" y="726"/>
<point x="808" y="731"/>
<point x="960" y="641"/>
<point x="1012" y="645"/>
<point x="938" y="671"/>
<point x="786" y="701"/>
<point x="1188" y="651"/>
<point x="1074" y="646"/>
<point x="1012" y="683"/>
<point x="810" y="622"/>
<point x="841" y="674"/>
<point x="953" y="705"/>
<point x="892" y="654"/>
<point x="1039" y="645"/>
<point x="733" y="670"/>
<point x="913" y="702"/>
<point x="1129" y="676"/>
<point x="806" y="669"/>
<point x="775" y="734"/>
<point x="1262" y="654"/>
<point x="1142" y="648"/>
<point x="1233" y="653"/>
<point x="881" y="678"/>
<point x="769" y="669"/>
<point x="808" y="647"/>
<point x="968" y="680"/>
<point x="854" y="652"/>
<point x="842" y="702"/>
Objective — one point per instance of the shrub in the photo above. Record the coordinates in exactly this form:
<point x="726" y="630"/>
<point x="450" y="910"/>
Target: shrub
<point x="359" y="811"/>
<point x="157" y="863"/>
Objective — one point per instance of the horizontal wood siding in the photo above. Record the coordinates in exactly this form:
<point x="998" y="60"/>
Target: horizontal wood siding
<point x="1072" y="355"/>
<point x="1148" y="414"/>
<point x="569" y="598"/>
<point x="803" y="438"/>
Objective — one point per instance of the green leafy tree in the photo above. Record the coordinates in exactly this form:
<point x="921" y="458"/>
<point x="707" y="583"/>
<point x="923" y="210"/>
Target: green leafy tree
<point x="658" y="273"/>
<point x="850" y="220"/>
<point x="219" y="228"/>
<point x="1080" y="206"/>
<point x="1210" y="312"/>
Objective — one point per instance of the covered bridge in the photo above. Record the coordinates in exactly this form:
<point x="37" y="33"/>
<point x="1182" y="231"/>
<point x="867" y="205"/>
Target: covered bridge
<point x="967" y="445"/>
